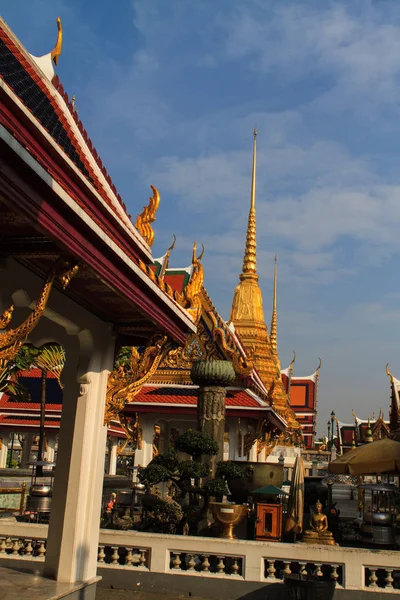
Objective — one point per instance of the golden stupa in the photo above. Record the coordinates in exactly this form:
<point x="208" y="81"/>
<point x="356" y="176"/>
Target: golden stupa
<point x="247" y="316"/>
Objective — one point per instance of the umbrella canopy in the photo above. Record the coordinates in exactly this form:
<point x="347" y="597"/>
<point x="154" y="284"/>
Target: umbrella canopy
<point x="269" y="490"/>
<point x="382" y="456"/>
<point x="295" y="509"/>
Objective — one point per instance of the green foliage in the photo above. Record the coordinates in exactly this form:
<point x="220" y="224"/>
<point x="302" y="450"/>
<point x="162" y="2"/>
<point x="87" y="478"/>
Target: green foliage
<point x="163" y="516"/>
<point x="123" y="358"/>
<point x="153" y="474"/>
<point x="196" y="443"/>
<point x="190" y="469"/>
<point x="229" y="470"/>
<point x="50" y="358"/>
<point x="168" y="459"/>
<point x="216" y="487"/>
<point x="9" y="383"/>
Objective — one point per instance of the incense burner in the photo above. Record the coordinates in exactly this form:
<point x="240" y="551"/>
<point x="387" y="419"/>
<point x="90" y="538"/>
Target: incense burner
<point x="229" y="515"/>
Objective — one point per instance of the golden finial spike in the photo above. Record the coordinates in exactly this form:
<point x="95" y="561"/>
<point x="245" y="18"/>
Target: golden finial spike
<point x="389" y="373"/>
<point x="167" y="257"/>
<point x="273" y="334"/>
<point x="56" y="52"/>
<point x="250" y="253"/>
<point x="253" y="174"/>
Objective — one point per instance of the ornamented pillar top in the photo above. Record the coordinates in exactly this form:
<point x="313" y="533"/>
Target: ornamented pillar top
<point x="218" y="373"/>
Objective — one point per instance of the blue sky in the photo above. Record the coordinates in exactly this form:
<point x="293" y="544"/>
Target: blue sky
<point x="170" y="92"/>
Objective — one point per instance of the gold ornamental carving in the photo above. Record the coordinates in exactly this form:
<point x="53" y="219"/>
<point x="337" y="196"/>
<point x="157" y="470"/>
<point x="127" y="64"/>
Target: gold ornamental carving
<point x="192" y="291"/>
<point x="147" y="217"/>
<point x="242" y="366"/>
<point x="184" y="356"/>
<point x="156" y="440"/>
<point x="124" y="383"/>
<point x="248" y="440"/>
<point x="11" y="340"/>
<point x="133" y="433"/>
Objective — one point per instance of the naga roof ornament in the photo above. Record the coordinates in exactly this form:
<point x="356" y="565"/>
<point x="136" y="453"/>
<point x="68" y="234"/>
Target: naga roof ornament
<point x="166" y="258"/>
<point x="147" y="217"/>
<point x="124" y="383"/>
<point x="192" y="292"/>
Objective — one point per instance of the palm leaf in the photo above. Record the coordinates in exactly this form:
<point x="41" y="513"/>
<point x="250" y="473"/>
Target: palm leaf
<point x="52" y="359"/>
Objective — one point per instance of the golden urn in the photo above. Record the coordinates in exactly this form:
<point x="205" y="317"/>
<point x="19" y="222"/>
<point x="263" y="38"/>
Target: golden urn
<point x="229" y="515"/>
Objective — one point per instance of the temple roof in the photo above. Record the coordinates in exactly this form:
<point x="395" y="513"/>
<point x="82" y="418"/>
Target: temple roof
<point x="58" y="197"/>
<point x="49" y="105"/>
<point x="183" y="399"/>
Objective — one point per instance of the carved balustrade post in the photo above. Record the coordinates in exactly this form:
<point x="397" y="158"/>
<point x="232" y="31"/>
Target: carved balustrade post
<point x="212" y="377"/>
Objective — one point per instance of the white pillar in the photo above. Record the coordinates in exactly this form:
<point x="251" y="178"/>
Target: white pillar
<point x="145" y="454"/>
<point x="253" y="452"/>
<point x="261" y="456"/>
<point x="4" y="437"/>
<point x="50" y="453"/>
<point x="112" y="455"/>
<point x="26" y="450"/>
<point x="72" y="543"/>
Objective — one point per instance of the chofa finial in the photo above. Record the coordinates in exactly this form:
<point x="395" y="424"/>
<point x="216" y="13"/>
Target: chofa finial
<point x="148" y="216"/>
<point x="56" y="52"/>
<point x="389" y="373"/>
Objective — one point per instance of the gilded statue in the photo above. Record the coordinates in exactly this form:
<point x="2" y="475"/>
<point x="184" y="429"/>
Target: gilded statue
<point x="133" y="433"/>
<point x="147" y="217"/>
<point x="318" y="532"/>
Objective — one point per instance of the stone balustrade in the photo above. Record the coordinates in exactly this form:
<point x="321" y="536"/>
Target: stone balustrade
<point x="351" y="568"/>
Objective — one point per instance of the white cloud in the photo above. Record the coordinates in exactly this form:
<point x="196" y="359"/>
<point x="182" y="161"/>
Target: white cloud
<point x="361" y="50"/>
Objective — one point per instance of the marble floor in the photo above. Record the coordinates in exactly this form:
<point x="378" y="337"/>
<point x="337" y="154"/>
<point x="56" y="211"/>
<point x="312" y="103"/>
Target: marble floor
<point x="19" y="583"/>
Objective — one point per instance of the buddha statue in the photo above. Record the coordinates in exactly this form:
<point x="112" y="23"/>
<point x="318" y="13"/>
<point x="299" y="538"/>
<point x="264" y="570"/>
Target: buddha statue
<point x="318" y="534"/>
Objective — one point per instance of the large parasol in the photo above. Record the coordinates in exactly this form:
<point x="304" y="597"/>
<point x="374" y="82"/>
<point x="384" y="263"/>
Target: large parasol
<point x="295" y="509"/>
<point x="382" y="456"/>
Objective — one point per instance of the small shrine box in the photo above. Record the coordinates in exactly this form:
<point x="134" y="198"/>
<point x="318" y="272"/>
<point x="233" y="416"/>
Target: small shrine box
<point x="269" y="522"/>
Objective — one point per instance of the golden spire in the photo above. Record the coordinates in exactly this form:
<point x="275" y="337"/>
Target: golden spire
<point x="247" y="314"/>
<point x="250" y="252"/>
<point x="273" y="332"/>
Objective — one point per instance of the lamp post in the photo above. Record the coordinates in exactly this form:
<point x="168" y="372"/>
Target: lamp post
<point x="332" y="426"/>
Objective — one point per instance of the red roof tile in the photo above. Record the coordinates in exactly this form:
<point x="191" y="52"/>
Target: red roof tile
<point x="8" y="421"/>
<point x="35" y="374"/>
<point x="188" y="396"/>
<point x="6" y="403"/>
